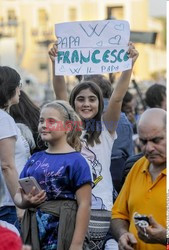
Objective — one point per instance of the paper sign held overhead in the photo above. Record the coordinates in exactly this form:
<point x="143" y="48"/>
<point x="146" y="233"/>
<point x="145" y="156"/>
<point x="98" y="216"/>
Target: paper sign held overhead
<point x="92" y="47"/>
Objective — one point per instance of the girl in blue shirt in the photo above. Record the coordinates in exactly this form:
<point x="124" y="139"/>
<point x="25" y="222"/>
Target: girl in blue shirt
<point x="63" y="174"/>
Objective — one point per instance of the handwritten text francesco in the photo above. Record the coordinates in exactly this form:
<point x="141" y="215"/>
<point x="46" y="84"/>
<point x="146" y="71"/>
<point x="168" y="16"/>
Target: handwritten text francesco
<point x="95" y="56"/>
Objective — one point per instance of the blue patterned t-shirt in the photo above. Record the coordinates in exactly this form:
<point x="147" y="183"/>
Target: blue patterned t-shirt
<point x="60" y="175"/>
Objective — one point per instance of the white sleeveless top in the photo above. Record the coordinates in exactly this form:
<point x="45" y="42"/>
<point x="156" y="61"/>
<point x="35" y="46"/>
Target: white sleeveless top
<point x="99" y="159"/>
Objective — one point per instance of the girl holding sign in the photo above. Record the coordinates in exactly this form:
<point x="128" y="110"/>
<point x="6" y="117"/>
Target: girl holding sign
<point x="98" y="137"/>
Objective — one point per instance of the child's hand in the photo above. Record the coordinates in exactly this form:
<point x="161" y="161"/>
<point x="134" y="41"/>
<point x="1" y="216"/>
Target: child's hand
<point x="132" y="53"/>
<point x="23" y="200"/>
<point x="53" y="52"/>
<point x="35" y="199"/>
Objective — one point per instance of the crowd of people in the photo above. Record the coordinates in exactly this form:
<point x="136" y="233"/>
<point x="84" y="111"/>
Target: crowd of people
<point x="81" y="149"/>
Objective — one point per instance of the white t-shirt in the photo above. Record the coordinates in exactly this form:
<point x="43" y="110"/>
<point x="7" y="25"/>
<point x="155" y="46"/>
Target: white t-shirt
<point x="27" y="134"/>
<point x="8" y="128"/>
<point x="99" y="159"/>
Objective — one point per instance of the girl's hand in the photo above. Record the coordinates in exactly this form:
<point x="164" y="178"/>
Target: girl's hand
<point x="53" y="52"/>
<point x="23" y="200"/>
<point x="132" y="53"/>
<point x="34" y="199"/>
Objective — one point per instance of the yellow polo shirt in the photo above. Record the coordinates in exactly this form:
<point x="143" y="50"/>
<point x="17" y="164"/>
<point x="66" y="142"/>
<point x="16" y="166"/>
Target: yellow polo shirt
<point x="140" y="194"/>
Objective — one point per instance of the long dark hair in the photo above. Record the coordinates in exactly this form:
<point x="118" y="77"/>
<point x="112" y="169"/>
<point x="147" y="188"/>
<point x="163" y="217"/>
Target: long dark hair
<point x="9" y="81"/>
<point x="92" y="135"/>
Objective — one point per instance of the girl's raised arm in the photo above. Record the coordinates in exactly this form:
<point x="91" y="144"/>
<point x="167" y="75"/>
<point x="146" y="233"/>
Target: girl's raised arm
<point x="59" y="84"/>
<point x="112" y="114"/>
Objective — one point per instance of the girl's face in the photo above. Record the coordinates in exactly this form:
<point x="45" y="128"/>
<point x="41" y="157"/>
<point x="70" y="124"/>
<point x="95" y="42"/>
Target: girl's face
<point x="51" y="125"/>
<point x="15" y="98"/>
<point x="86" y="104"/>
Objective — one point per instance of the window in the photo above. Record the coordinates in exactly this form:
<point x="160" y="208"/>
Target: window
<point x="115" y="13"/>
<point x="72" y="14"/>
<point x="42" y="17"/>
<point x="12" y="19"/>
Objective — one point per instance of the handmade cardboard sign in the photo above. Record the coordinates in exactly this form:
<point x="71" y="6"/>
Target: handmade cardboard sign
<point x="92" y="47"/>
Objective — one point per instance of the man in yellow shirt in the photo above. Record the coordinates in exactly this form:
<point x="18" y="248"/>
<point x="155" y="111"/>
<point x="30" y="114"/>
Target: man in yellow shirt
<point x="144" y="190"/>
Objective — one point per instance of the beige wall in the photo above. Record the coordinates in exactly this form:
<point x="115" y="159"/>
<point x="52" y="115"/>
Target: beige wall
<point x="30" y="54"/>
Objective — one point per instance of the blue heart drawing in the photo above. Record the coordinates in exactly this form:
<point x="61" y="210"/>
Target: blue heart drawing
<point x="99" y="44"/>
<point x="119" y="26"/>
<point x="62" y="69"/>
<point x="115" y="40"/>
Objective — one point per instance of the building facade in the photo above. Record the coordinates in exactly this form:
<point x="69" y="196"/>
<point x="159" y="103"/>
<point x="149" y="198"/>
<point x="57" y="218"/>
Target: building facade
<point x="27" y="29"/>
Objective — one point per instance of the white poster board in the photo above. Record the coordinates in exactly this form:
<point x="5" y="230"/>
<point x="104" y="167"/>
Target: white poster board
<point x="92" y="47"/>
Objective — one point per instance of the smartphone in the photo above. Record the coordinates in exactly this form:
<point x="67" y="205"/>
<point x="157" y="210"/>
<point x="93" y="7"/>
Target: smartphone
<point x="28" y="183"/>
<point x="142" y="217"/>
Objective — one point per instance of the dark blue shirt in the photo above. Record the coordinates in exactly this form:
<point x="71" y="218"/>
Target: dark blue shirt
<point x="123" y="145"/>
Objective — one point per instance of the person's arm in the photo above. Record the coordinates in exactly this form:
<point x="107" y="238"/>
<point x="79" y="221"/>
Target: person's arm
<point x="83" y="195"/>
<point x="112" y="114"/>
<point x="7" y="158"/>
<point x="59" y="84"/>
<point x="120" y="231"/>
<point x="154" y="234"/>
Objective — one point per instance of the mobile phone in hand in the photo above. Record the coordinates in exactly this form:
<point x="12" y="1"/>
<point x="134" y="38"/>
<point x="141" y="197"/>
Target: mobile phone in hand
<point x="28" y="183"/>
<point x="142" y="217"/>
<point x="141" y="220"/>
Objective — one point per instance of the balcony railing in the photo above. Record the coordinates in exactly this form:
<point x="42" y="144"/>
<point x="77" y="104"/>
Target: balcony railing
<point x="8" y="29"/>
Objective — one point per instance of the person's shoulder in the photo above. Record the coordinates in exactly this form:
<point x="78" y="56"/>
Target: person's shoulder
<point x="78" y="157"/>
<point x="3" y="113"/>
<point x="27" y="134"/>
<point x="123" y="119"/>
<point x="133" y="159"/>
<point x="8" y="127"/>
<point x="22" y="126"/>
<point x="136" y="162"/>
<point x="6" y="116"/>
<point x="37" y="155"/>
